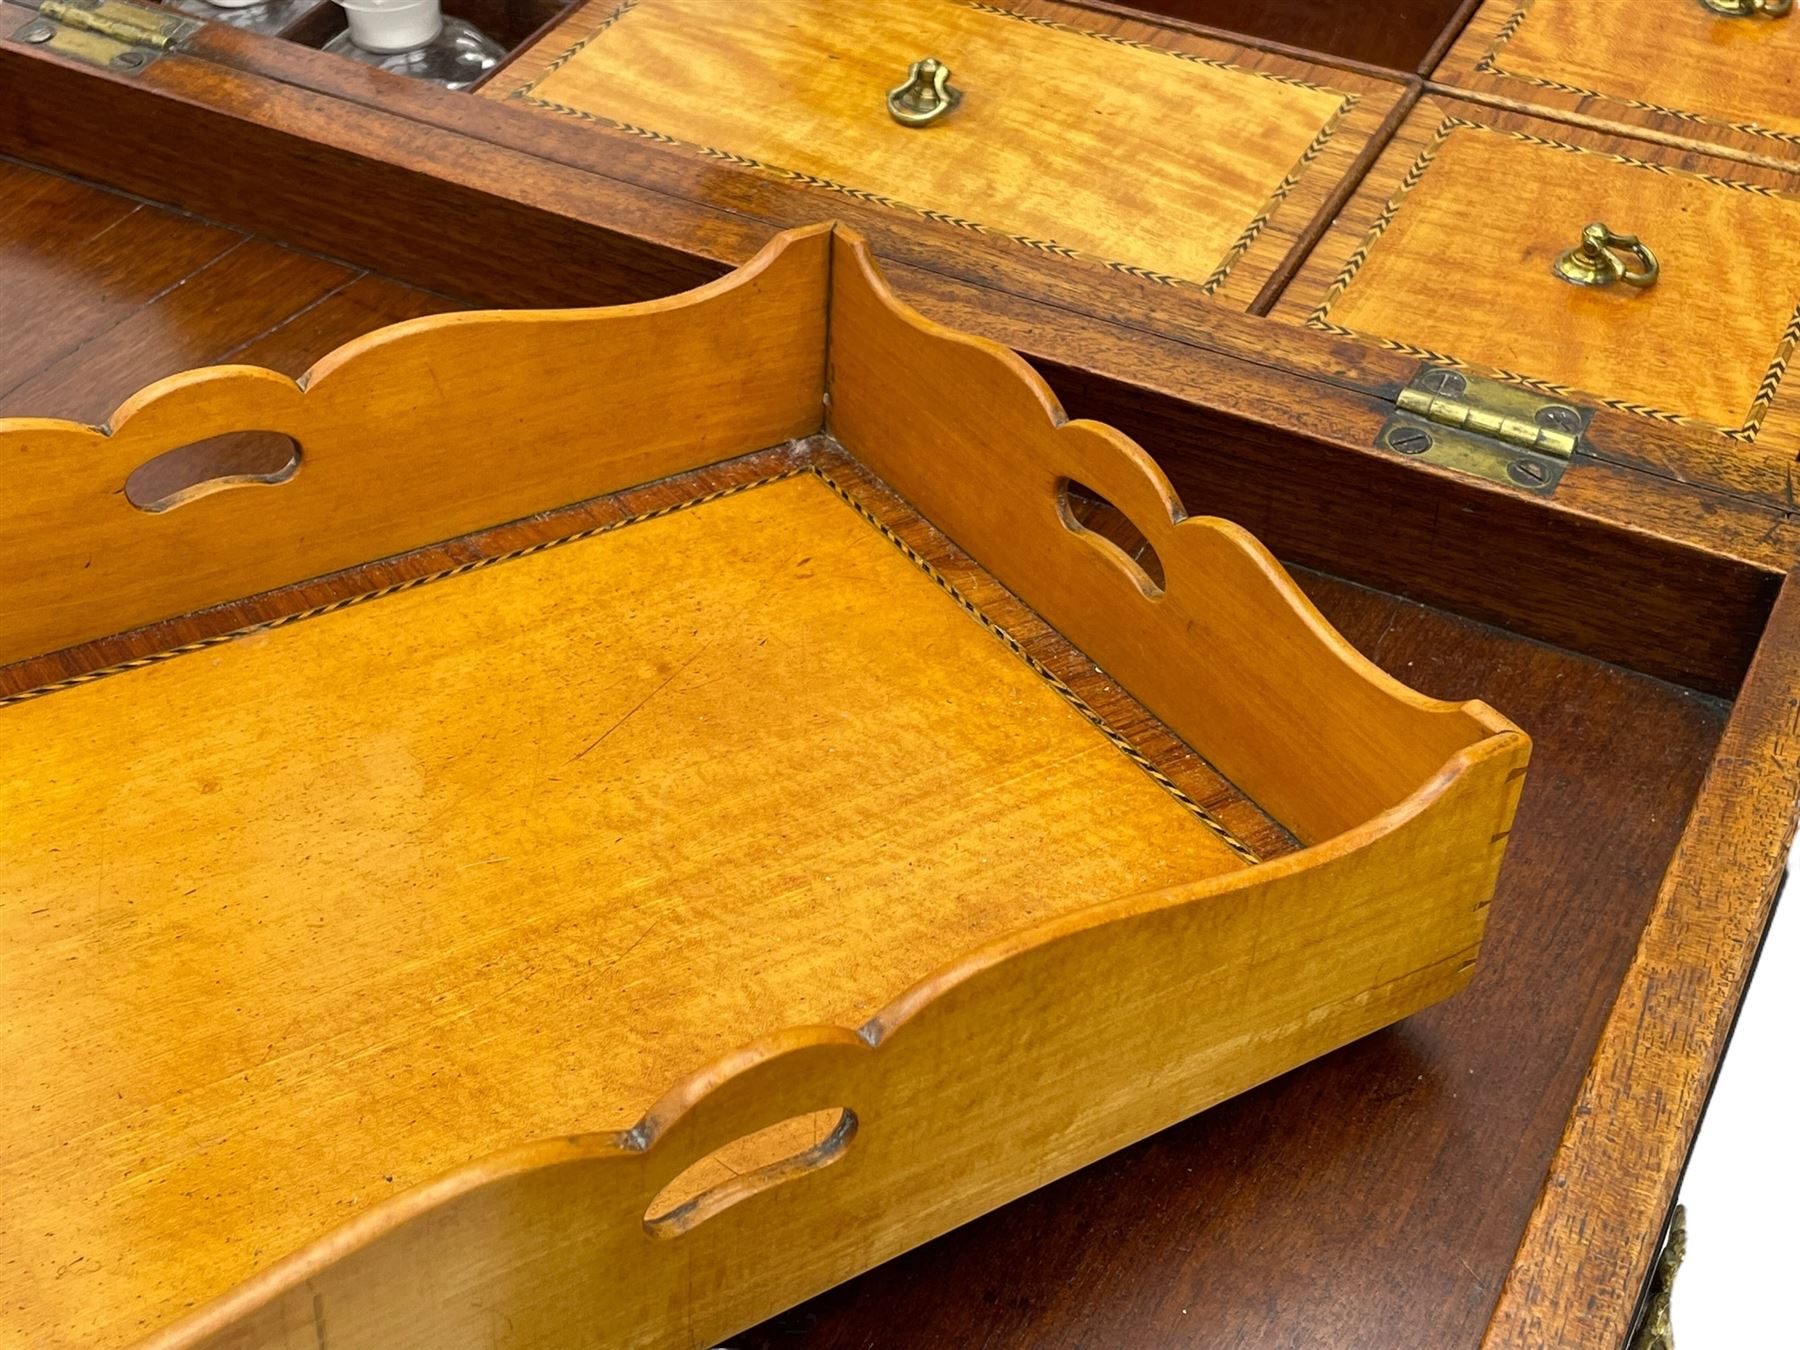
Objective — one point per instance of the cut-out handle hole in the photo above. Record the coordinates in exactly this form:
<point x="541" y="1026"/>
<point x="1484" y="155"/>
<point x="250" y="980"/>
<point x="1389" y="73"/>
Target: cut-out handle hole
<point x="1086" y="511"/>
<point x="783" y="1152"/>
<point x="189" y="472"/>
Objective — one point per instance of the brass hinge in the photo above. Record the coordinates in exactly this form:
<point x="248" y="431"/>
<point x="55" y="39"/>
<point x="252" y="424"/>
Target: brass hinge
<point x="120" y="35"/>
<point x="1505" y="433"/>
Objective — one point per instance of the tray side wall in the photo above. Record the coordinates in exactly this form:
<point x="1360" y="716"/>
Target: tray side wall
<point x="1227" y="651"/>
<point x="469" y="419"/>
<point x="1023" y="1062"/>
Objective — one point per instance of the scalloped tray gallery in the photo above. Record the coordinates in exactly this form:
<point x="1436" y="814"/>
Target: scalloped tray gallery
<point x="775" y="830"/>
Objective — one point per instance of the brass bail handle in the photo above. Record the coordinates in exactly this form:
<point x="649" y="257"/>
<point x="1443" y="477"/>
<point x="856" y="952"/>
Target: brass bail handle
<point x="1597" y="260"/>
<point x="1749" y="9"/>
<point x="926" y="95"/>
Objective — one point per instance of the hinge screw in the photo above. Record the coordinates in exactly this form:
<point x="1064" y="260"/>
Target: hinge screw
<point x="1559" y="418"/>
<point x="1528" y="472"/>
<point x="1409" y="440"/>
<point x="37" y="31"/>
<point x="129" y="60"/>
<point x="1440" y="381"/>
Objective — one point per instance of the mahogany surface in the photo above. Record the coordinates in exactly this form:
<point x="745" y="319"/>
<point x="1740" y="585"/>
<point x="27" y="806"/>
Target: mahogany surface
<point x="107" y="294"/>
<point x="1399" y="34"/>
<point x="1373" y="1198"/>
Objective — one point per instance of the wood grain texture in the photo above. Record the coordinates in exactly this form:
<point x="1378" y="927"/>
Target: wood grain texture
<point x="1032" y="154"/>
<point x="1407" y="894"/>
<point x="742" y="361"/>
<point x="902" y="386"/>
<point x="1637" y="560"/>
<point x="598" y="219"/>
<point x="1595" y="830"/>
<point x="252" y="288"/>
<point x="1708" y="346"/>
<point x="1658" y="520"/>
<point x="80" y="262"/>
<point x="1304" y="474"/>
<point x="1593" y="1235"/>
<point x="569" y="1213"/>
<point x="1397" y="35"/>
<point x="677" y="696"/>
<point x="1282" y="1217"/>
<point x="1690" y="76"/>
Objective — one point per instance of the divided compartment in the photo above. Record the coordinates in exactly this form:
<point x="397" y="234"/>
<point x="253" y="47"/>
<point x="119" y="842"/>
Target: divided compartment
<point x="1006" y="1056"/>
<point x="1078" y="137"/>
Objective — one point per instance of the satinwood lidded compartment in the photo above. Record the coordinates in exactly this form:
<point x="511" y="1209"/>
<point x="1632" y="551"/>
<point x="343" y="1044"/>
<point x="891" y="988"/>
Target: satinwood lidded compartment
<point x="782" y="832"/>
<point x="1454" y="249"/>
<point x="1721" y="72"/>
<point x="1183" y="159"/>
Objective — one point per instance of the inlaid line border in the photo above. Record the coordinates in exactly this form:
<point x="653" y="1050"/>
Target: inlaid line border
<point x="1767" y="387"/>
<point x="994" y="628"/>
<point x="1489" y="64"/>
<point x="1215" y="279"/>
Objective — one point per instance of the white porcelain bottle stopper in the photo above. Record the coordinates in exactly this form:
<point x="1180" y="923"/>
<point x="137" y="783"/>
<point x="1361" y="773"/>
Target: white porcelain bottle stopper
<point x="392" y="25"/>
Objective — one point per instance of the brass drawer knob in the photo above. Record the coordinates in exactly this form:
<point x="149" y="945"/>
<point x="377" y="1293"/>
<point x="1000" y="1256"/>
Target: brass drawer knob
<point x="926" y="95"/>
<point x="1597" y="260"/>
<point x="1749" y="9"/>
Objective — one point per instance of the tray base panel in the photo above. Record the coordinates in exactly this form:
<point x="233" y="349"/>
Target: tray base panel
<point x="502" y="857"/>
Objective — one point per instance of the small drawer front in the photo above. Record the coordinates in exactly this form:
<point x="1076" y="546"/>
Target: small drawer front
<point x="1464" y="247"/>
<point x="1179" y="159"/>
<point x="1682" y="67"/>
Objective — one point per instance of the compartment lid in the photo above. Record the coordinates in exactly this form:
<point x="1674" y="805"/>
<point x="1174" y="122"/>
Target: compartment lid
<point x="1449" y="252"/>
<point x="1164" y="155"/>
<point x="1684" y="68"/>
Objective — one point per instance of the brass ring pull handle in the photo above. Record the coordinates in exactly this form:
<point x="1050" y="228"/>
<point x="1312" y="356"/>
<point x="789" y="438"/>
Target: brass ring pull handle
<point x="1596" y="260"/>
<point x="926" y="95"/>
<point x="1749" y="9"/>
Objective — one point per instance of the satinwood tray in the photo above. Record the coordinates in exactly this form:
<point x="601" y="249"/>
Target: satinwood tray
<point x="786" y="831"/>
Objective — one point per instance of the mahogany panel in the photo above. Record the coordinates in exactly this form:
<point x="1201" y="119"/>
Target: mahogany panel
<point x="254" y="303"/>
<point x="79" y="262"/>
<point x="1614" y="1178"/>
<point x="1399" y="34"/>
<point x="250" y="289"/>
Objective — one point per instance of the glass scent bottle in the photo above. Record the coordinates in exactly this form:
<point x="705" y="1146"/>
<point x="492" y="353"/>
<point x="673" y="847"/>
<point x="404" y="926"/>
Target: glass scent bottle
<point x="258" y="16"/>
<point x="415" y="38"/>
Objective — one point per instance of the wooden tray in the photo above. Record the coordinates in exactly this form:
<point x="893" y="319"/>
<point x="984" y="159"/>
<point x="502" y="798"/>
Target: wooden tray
<point x="819" y="796"/>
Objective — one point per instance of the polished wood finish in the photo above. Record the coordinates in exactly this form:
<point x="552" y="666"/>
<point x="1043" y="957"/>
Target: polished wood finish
<point x="1374" y="1199"/>
<point x="1306" y="753"/>
<point x="1431" y="248"/>
<point x="1161" y="915"/>
<point x="1232" y="405"/>
<point x="788" y="88"/>
<point x="1400" y="35"/>
<point x="1679" y="71"/>
<point x="109" y="294"/>
<point x="1599" y="1219"/>
<point x="643" y="808"/>
<point x="1661" y="550"/>
<point x="87" y="561"/>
